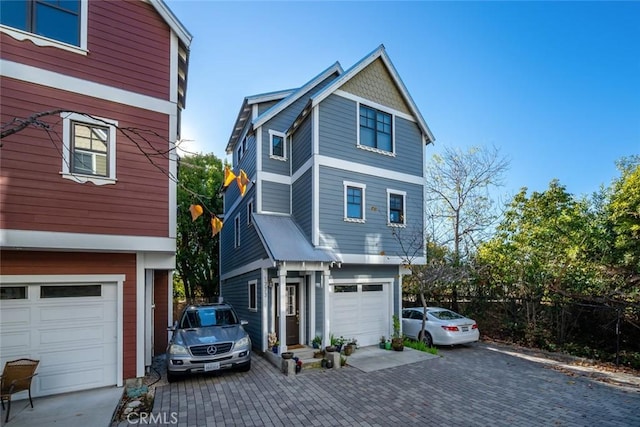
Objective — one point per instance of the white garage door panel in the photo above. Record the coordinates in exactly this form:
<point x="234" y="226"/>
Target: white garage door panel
<point x="361" y="315"/>
<point x="75" y="338"/>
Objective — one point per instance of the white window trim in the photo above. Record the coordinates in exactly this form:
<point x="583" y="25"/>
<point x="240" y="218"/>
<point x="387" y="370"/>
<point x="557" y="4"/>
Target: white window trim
<point x="67" y="173"/>
<point x="236" y="231"/>
<point x="249" y="212"/>
<point x="38" y="40"/>
<point x="391" y="153"/>
<point x="404" y="207"/>
<point x="273" y="133"/>
<point x="363" y="187"/>
<point x="255" y="295"/>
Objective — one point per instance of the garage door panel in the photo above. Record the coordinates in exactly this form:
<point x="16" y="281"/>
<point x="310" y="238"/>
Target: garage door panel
<point x="78" y="313"/>
<point x="11" y="317"/>
<point x="15" y="342"/>
<point x="75" y="338"/>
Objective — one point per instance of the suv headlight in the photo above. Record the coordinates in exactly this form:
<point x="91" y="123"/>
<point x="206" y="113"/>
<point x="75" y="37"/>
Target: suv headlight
<point x="178" y="349"/>
<point x="242" y="342"/>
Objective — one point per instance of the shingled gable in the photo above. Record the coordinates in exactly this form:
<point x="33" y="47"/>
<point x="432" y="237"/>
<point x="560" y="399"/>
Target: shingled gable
<point x="379" y="53"/>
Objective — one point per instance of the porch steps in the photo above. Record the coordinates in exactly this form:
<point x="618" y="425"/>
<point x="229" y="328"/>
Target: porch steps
<point x="305" y="355"/>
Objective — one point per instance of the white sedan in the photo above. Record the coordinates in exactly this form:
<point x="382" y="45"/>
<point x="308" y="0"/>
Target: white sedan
<point x="443" y="327"/>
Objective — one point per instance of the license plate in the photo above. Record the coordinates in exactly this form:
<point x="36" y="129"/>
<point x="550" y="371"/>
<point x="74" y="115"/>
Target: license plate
<point x="213" y="366"/>
<point x="465" y="329"/>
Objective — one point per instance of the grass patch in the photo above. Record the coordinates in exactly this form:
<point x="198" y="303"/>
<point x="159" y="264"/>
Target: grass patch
<point x="420" y="346"/>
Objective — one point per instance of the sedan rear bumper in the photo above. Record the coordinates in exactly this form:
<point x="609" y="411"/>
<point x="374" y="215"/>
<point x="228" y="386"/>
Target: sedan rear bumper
<point x="453" y="338"/>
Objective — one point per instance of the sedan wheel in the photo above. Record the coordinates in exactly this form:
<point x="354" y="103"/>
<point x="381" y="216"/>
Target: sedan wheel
<point x="425" y="337"/>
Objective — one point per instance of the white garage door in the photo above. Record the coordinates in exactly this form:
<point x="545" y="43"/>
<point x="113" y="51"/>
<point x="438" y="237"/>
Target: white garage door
<point x="71" y="329"/>
<point x="361" y="311"/>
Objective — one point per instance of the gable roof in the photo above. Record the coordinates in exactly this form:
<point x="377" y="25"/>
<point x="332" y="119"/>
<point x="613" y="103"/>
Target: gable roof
<point x="245" y="112"/>
<point x="292" y="97"/>
<point x="173" y="22"/>
<point x="284" y="241"/>
<point x="379" y="53"/>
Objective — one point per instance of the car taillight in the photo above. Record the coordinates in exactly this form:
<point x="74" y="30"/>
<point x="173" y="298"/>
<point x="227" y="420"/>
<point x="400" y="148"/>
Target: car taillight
<point x="475" y="326"/>
<point x="450" y="328"/>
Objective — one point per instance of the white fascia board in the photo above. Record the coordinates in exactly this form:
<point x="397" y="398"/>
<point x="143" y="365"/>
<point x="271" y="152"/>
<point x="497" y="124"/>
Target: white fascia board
<point x="369" y="170"/>
<point x="174" y="23"/>
<point x="247" y="268"/>
<point x="42" y="77"/>
<point x="270" y="96"/>
<point x="52" y="240"/>
<point x="377" y="259"/>
<point x="271" y="112"/>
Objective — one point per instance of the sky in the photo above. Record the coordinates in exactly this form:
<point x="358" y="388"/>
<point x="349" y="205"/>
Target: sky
<point x="555" y="86"/>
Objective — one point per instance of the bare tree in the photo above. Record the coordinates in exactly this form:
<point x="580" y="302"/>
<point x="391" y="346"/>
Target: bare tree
<point x="459" y="206"/>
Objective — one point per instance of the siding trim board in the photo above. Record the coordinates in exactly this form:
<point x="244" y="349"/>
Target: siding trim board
<point x="373" y="104"/>
<point x="39" y="76"/>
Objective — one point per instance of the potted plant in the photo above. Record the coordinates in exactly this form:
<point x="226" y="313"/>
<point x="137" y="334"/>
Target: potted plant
<point x="397" y="342"/>
<point x="273" y="342"/>
<point x="383" y="341"/>
<point x="348" y="349"/>
<point x="317" y="341"/>
<point x="339" y="343"/>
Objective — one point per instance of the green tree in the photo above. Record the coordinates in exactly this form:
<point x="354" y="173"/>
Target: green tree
<point x="200" y="177"/>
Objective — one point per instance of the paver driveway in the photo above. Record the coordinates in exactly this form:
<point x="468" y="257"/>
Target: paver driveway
<point x="467" y="386"/>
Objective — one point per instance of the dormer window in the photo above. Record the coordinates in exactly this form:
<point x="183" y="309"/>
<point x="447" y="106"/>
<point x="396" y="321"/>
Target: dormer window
<point x="277" y="146"/>
<point x="376" y="130"/>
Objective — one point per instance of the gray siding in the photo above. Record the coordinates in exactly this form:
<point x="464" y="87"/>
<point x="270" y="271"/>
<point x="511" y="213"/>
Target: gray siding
<point x="282" y="122"/>
<point x="301" y="208"/>
<point x="251" y="248"/>
<point x="338" y="138"/>
<point x="301" y="145"/>
<point x="235" y="291"/>
<point x="374" y="237"/>
<point x="265" y="106"/>
<point x="275" y="197"/>
<point x="247" y="164"/>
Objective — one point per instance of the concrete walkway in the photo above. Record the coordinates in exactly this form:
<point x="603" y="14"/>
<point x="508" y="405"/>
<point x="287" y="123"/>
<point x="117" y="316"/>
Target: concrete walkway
<point x="374" y="358"/>
<point x="79" y="409"/>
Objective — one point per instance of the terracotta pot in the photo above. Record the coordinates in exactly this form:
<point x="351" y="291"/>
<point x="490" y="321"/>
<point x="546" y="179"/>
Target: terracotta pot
<point x="348" y="349"/>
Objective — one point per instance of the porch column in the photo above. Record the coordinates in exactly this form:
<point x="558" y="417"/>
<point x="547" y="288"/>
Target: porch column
<point x="282" y="297"/>
<point x="311" y="280"/>
<point x="327" y="309"/>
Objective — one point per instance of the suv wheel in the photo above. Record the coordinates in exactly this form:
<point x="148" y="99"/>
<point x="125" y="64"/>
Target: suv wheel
<point x="246" y="367"/>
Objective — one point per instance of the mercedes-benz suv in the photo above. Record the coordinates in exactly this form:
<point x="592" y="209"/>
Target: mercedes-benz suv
<point x="208" y="337"/>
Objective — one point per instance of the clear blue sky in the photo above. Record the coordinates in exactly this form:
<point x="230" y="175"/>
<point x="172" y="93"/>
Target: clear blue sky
<point x="554" y="85"/>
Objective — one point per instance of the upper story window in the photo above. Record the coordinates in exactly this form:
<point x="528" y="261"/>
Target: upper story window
<point x="236" y="232"/>
<point x="239" y="153"/>
<point x="62" y="21"/>
<point x="354" y="202"/>
<point x="277" y="145"/>
<point x="376" y="129"/>
<point x="396" y="207"/>
<point x="253" y="295"/>
<point x="249" y="212"/>
<point x="89" y="149"/>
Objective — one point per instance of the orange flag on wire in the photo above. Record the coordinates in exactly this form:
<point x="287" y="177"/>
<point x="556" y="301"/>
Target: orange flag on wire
<point x="242" y="180"/>
<point x="196" y="211"/>
<point x="229" y="176"/>
<point x="216" y="225"/>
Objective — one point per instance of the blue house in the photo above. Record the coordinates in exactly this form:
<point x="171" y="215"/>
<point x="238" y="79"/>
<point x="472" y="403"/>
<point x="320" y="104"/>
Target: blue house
<point x="336" y="171"/>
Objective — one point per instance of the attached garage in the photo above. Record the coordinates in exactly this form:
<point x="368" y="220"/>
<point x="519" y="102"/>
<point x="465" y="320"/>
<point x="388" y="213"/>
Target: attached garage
<point x="72" y="327"/>
<point x="361" y="311"/>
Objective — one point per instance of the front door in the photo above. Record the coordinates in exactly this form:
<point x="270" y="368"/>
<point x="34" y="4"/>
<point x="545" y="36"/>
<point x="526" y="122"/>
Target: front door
<point x="293" y="314"/>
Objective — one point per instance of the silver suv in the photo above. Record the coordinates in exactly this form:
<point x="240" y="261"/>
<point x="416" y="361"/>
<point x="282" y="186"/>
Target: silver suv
<point x="208" y="337"/>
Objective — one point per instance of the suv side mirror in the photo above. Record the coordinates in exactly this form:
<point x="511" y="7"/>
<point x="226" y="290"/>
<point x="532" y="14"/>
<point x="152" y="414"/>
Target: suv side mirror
<point x="173" y="328"/>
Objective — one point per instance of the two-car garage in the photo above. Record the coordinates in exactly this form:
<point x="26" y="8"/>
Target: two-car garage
<point x="72" y="328"/>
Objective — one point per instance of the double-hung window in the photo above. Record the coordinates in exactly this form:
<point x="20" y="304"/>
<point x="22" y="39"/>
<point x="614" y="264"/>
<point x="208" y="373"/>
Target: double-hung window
<point x="354" y="202"/>
<point x="62" y="21"/>
<point x="89" y="149"/>
<point x="396" y="207"/>
<point x="277" y="145"/>
<point x="236" y="232"/>
<point x="253" y="295"/>
<point x="376" y="129"/>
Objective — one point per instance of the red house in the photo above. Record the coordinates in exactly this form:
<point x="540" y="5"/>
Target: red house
<point x="87" y="196"/>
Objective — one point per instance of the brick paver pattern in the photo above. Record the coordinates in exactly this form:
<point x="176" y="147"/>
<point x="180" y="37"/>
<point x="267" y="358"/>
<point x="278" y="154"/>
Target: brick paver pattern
<point x="467" y="386"/>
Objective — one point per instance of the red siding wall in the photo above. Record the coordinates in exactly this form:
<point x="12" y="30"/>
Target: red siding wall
<point x="161" y="313"/>
<point x="38" y="263"/>
<point x="33" y="194"/>
<point x="128" y="44"/>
